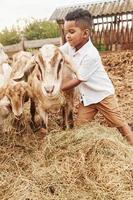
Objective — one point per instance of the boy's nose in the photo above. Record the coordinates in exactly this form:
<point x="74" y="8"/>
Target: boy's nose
<point x="68" y="37"/>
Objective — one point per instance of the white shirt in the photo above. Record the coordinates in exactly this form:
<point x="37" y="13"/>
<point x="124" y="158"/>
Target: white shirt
<point x="96" y="84"/>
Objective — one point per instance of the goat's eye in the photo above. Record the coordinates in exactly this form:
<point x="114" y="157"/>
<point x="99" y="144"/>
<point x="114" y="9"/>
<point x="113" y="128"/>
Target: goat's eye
<point x="61" y="60"/>
<point x="19" y="94"/>
<point x="38" y="77"/>
<point x="59" y="68"/>
<point x="39" y="73"/>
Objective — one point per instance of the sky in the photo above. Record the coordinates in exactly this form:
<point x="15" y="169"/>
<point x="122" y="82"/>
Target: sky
<point x="15" y="12"/>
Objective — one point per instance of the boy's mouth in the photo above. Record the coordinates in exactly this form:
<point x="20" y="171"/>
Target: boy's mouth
<point x="70" y="42"/>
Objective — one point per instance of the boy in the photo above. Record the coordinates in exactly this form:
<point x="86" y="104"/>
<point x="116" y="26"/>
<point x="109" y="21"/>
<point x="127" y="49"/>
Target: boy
<point x="96" y="89"/>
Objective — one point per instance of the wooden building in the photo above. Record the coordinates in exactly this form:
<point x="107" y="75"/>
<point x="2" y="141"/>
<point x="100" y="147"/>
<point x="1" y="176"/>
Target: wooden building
<point x="112" y="23"/>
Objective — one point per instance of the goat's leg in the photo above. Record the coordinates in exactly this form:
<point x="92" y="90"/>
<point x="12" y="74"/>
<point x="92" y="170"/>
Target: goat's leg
<point x="67" y="115"/>
<point x="33" y="112"/>
<point x="70" y="118"/>
<point x="18" y="124"/>
<point x="44" y="116"/>
<point x="63" y="117"/>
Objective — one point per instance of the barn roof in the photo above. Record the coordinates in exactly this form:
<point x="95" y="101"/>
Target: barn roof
<point x="96" y="9"/>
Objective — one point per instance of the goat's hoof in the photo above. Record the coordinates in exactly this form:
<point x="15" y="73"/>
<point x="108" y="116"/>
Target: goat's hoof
<point x="43" y="132"/>
<point x="71" y="126"/>
<point x="34" y="127"/>
<point x="64" y="127"/>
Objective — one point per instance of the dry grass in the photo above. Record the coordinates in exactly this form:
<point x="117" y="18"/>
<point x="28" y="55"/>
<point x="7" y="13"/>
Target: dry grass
<point x="93" y="162"/>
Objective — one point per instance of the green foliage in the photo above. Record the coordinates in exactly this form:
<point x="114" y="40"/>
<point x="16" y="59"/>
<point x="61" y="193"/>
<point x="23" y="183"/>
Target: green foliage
<point x="41" y="30"/>
<point x="101" y="47"/>
<point x="32" y="31"/>
<point x="8" y="37"/>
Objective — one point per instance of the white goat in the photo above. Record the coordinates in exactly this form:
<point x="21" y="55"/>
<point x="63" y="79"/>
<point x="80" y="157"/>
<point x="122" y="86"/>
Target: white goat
<point x="50" y="68"/>
<point x="3" y="55"/>
<point x="15" y="93"/>
<point x="5" y="71"/>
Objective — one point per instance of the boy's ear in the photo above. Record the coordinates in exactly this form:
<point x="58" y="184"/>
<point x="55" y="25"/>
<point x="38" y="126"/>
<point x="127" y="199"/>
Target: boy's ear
<point x="86" y="33"/>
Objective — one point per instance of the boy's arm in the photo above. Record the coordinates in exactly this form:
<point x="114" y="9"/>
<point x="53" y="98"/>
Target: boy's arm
<point x="70" y="84"/>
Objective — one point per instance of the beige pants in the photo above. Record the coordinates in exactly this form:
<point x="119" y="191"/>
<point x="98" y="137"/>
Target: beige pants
<point x="108" y="107"/>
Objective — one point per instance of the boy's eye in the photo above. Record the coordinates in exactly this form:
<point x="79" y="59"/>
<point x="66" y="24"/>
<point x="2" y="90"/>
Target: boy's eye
<point x="71" y="31"/>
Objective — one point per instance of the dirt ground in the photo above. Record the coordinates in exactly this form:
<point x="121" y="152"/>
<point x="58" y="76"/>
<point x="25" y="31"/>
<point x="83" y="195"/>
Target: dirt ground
<point x="119" y="66"/>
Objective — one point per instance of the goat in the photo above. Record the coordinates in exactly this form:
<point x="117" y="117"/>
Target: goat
<point x="15" y="93"/>
<point x="3" y="55"/>
<point x="5" y="71"/>
<point x="54" y="68"/>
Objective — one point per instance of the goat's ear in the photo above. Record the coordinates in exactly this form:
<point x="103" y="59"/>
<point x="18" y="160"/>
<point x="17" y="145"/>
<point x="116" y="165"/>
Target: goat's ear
<point x="39" y="59"/>
<point x="69" y="63"/>
<point x="2" y="92"/>
<point x="19" y="78"/>
<point x="4" y="101"/>
<point x="39" y="56"/>
<point x="27" y="88"/>
<point x="23" y="76"/>
<point x="29" y="91"/>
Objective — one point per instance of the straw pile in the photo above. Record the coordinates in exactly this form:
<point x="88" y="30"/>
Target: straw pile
<point x="92" y="162"/>
<point x="87" y="163"/>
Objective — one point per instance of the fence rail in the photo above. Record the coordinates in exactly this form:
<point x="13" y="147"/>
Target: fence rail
<point x="29" y="44"/>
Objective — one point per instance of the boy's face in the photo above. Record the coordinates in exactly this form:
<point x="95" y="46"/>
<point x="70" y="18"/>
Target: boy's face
<point x="75" y="35"/>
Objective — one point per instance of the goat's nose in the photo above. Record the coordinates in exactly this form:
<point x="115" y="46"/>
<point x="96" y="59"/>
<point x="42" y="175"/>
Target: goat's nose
<point x="49" y="89"/>
<point x="18" y="117"/>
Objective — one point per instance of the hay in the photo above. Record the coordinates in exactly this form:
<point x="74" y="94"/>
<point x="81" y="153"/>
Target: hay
<point x="93" y="162"/>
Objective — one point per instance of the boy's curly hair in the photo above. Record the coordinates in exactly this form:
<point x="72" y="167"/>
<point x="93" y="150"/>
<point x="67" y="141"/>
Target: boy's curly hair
<point x="80" y="16"/>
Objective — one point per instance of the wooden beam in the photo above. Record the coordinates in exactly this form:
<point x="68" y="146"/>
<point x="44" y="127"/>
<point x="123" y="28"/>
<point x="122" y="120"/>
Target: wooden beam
<point x="61" y="27"/>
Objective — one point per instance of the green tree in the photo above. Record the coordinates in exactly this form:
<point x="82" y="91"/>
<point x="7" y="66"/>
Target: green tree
<point x="41" y="30"/>
<point x="8" y="37"/>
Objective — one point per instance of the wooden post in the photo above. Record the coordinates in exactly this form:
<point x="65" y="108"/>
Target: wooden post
<point x="118" y="47"/>
<point x="127" y="39"/>
<point x="61" y="27"/>
<point x="106" y="34"/>
<point x="22" y="41"/>
<point x="131" y="33"/>
<point x="98" y="34"/>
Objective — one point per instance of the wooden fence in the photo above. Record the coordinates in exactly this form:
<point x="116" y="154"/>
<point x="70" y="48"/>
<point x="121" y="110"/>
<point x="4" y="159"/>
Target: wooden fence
<point x="109" y="33"/>
<point x="30" y="44"/>
<point x="113" y="32"/>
